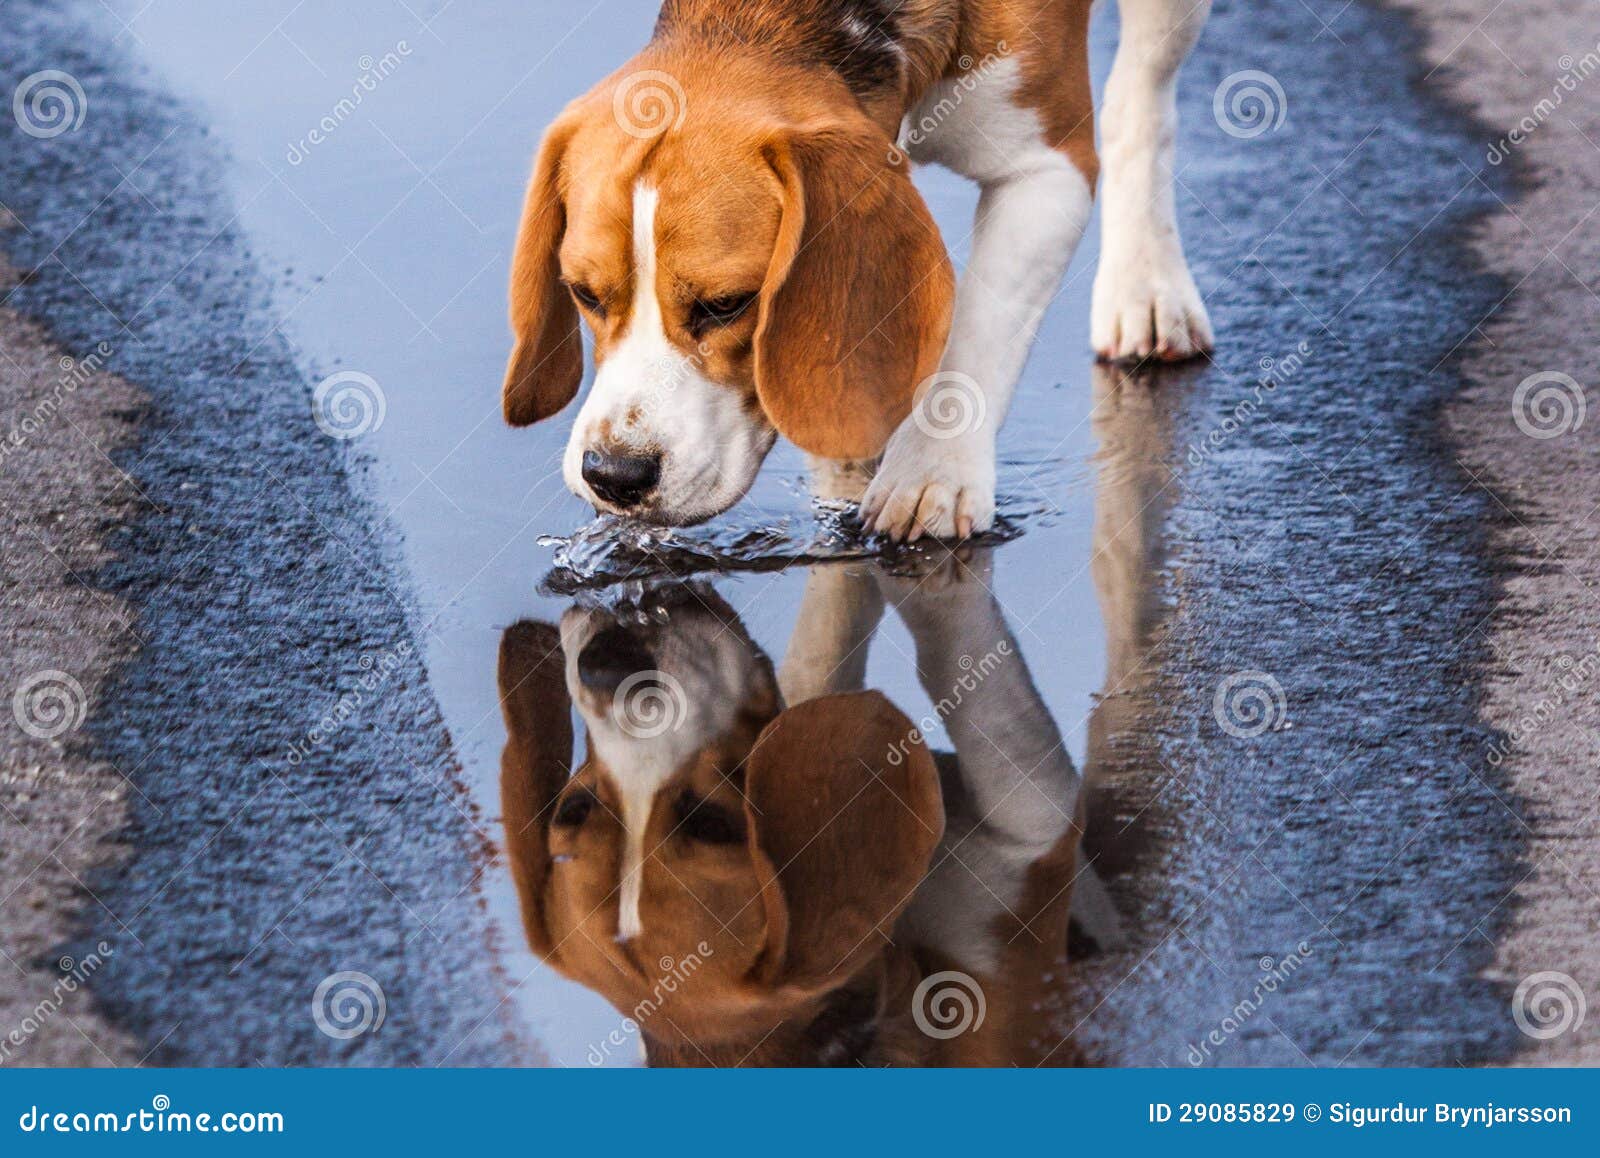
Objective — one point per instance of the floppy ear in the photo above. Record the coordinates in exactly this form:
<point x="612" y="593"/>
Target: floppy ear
<point x="856" y="304"/>
<point x="536" y="762"/>
<point x="547" y="361"/>
<point x="843" y="812"/>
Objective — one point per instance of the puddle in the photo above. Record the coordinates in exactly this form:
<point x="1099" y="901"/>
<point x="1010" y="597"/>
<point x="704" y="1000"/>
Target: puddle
<point x="611" y="550"/>
<point x="392" y="238"/>
<point x="1131" y="537"/>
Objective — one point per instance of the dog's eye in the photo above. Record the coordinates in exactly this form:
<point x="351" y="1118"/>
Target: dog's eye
<point x="587" y="298"/>
<point x="575" y="809"/>
<point x="702" y="821"/>
<point x="724" y="311"/>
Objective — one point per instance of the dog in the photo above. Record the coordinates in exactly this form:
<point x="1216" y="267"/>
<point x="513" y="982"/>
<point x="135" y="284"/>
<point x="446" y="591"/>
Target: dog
<point x="732" y="215"/>
<point x="776" y="870"/>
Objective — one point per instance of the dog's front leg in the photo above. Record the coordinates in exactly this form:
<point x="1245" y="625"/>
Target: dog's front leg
<point x="1145" y="300"/>
<point x="937" y="477"/>
<point x="827" y="653"/>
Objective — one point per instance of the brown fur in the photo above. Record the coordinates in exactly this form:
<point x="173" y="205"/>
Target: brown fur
<point x="798" y="957"/>
<point x="780" y="176"/>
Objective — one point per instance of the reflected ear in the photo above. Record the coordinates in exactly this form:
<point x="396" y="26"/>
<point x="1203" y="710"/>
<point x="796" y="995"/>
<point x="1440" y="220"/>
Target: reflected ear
<point x="536" y="762"/>
<point x="843" y="811"/>
<point x="547" y="361"/>
<point x="856" y="304"/>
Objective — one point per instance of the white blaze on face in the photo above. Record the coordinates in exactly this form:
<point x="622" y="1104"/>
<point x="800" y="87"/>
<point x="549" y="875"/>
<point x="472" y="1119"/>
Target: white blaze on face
<point x="716" y="674"/>
<point x="654" y="399"/>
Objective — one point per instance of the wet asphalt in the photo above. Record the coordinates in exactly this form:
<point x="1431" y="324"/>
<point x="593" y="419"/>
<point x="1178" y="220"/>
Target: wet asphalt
<point x="1326" y="540"/>
<point x="1331" y="544"/>
<point x="264" y="601"/>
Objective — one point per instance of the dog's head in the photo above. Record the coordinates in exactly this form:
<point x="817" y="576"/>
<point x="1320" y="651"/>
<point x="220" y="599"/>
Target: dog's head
<point x="751" y="258"/>
<point x="719" y="869"/>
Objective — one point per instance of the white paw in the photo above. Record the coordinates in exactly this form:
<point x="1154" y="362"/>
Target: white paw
<point x="939" y="487"/>
<point x="1147" y="306"/>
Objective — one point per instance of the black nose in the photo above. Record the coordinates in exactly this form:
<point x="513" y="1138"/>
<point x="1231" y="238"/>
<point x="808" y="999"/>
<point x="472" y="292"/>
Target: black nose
<point x="621" y="479"/>
<point x="611" y="657"/>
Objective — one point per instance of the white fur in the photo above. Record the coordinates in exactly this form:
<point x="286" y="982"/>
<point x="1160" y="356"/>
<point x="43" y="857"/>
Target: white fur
<point x="707" y="672"/>
<point x="1032" y="212"/>
<point x="657" y="401"/>
<point x="1020" y="786"/>
<point x="1145" y="300"/>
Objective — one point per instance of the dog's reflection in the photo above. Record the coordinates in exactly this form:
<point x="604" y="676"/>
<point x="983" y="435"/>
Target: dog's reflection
<point x="760" y="876"/>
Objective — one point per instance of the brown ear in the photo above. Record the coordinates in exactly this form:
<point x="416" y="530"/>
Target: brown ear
<point x="547" y="362"/>
<point x="536" y="762"/>
<point x="856" y="304"/>
<point x="844" y="811"/>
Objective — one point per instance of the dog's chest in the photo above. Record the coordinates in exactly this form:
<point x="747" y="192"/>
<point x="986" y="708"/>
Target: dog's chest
<point x="971" y="123"/>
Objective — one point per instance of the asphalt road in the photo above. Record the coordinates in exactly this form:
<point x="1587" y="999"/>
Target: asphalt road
<point x="263" y="603"/>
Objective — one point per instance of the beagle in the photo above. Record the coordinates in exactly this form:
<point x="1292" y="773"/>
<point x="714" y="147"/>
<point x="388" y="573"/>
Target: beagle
<point x="732" y="215"/>
<point x="764" y="870"/>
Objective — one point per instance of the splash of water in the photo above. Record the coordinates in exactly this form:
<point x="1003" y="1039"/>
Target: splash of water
<point x="611" y="550"/>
